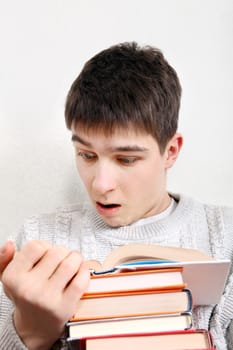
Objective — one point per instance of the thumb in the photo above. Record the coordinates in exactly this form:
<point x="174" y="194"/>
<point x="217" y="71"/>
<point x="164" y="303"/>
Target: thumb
<point x="7" y="252"/>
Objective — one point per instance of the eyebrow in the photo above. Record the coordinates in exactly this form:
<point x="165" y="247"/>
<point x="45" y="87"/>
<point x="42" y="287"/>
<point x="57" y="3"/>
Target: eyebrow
<point x="126" y="148"/>
<point x="76" y="138"/>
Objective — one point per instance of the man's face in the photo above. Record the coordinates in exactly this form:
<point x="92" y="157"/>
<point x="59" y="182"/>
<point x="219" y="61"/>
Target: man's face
<point x="124" y="174"/>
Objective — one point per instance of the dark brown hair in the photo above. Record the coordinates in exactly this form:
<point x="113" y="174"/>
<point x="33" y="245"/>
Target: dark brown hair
<point x="126" y="86"/>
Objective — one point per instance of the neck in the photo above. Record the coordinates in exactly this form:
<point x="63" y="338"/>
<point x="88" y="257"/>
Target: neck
<point x="161" y="205"/>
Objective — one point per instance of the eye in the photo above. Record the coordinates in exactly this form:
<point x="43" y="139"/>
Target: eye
<point x="88" y="156"/>
<point x="127" y="160"/>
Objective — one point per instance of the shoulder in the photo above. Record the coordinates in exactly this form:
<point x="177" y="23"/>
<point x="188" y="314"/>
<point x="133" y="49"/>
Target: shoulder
<point x="49" y="226"/>
<point x="220" y="217"/>
<point x="214" y="213"/>
<point x="64" y="212"/>
<point x="217" y="221"/>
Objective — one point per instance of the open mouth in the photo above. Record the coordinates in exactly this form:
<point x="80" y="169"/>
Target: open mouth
<point x="108" y="206"/>
<point x="109" y="210"/>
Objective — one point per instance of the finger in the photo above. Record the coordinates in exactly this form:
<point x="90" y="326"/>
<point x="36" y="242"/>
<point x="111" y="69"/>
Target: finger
<point x="78" y="285"/>
<point x="50" y="262"/>
<point x="31" y="253"/>
<point x="67" y="269"/>
<point x="6" y="255"/>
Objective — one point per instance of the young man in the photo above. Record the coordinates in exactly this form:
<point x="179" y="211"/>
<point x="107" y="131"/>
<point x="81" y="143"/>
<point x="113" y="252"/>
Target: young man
<point x="122" y="111"/>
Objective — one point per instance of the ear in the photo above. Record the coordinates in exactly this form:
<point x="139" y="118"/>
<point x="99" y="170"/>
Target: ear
<point x="173" y="149"/>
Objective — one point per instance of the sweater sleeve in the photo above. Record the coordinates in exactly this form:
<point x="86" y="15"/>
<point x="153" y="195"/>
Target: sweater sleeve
<point x="221" y="323"/>
<point x="9" y="338"/>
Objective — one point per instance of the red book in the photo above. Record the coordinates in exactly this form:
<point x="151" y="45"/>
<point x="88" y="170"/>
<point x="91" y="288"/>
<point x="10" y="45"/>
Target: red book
<point x="192" y="339"/>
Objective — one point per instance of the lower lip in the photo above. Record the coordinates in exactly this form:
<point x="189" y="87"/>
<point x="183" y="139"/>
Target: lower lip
<point x="107" y="211"/>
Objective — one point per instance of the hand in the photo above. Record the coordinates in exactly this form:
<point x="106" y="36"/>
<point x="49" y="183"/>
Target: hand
<point x="45" y="283"/>
<point x="6" y="255"/>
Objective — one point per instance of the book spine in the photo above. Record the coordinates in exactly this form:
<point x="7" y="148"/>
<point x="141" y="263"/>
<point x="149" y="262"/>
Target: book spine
<point x="190" y="300"/>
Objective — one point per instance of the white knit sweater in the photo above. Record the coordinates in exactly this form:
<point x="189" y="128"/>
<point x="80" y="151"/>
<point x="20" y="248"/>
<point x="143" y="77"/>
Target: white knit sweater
<point x="191" y="225"/>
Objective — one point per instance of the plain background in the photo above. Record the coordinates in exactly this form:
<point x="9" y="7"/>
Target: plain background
<point x="44" y="45"/>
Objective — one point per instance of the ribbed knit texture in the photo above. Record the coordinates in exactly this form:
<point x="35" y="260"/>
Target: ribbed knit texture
<point x="191" y="225"/>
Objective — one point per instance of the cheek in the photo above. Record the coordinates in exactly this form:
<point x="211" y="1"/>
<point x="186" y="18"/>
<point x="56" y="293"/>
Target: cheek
<point x="150" y="175"/>
<point x="135" y="181"/>
<point x="149" y="171"/>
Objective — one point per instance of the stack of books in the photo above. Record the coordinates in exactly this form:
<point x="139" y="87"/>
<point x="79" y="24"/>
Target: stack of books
<point x="142" y="297"/>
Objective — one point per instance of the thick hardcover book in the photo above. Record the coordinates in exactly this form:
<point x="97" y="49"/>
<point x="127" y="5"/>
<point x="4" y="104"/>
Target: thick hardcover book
<point x="177" y="340"/>
<point x="135" y="303"/>
<point x="154" y="278"/>
<point x="203" y="275"/>
<point x="115" y="326"/>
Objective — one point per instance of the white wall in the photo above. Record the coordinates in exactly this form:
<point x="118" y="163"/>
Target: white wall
<point x="44" y="44"/>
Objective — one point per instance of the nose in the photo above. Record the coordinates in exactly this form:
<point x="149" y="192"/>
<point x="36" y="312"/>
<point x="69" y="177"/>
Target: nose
<point x="104" y="179"/>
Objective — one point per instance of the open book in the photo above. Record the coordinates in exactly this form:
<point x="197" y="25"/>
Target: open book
<point x="138" y="252"/>
<point x="202" y="274"/>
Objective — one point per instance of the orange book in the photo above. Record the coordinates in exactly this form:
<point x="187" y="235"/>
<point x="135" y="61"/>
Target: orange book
<point x="130" y="280"/>
<point x="135" y="303"/>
